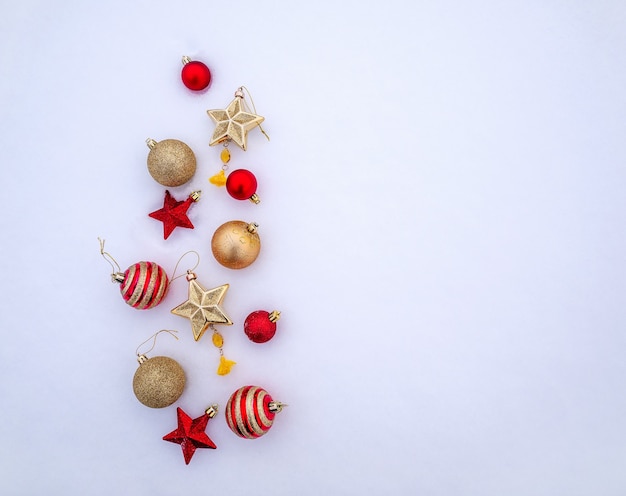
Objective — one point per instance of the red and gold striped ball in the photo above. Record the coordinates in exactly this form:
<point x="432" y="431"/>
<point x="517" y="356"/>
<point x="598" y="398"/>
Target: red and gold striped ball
<point x="248" y="412"/>
<point x="144" y="285"/>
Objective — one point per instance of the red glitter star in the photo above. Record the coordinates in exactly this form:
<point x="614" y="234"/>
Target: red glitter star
<point x="174" y="213"/>
<point x="190" y="434"/>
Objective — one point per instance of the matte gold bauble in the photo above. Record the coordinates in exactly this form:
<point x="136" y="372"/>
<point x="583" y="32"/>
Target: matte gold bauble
<point x="159" y="381"/>
<point x="170" y="162"/>
<point x="236" y="244"/>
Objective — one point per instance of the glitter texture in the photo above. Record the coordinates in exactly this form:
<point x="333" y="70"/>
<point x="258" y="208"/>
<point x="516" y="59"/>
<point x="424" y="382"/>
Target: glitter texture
<point x="190" y="434"/>
<point x="159" y="382"/>
<point x="233" y="123"/>
<point x="171" y="162"/>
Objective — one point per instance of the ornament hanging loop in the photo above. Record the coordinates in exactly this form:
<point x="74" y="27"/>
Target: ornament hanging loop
<point x="240" y="94"/>
<point x="141" y="356"/>
<point x="116" y="275"/>
<point x="180" y="260"/>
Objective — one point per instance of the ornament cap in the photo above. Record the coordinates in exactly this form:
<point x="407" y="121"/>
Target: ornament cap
<point x="252" y="227"/>
<point x="274" y="316"/>
<point x="151" y="143"/>
<point x="239" y="92"/>
<point x="255" y="199"/>
<point x="190" y="276"/>
<point x="212" y="410"/>
<point x="142" y="359"/>
<point x="195" y="195"/>
<point x="185" y="60"/>
<point x="276" y="406"/>
<point x="118" y="277"/>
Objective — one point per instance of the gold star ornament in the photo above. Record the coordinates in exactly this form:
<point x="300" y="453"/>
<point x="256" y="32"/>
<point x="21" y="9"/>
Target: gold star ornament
<point x="202" y="308"/>
<point x="234" y="122"/>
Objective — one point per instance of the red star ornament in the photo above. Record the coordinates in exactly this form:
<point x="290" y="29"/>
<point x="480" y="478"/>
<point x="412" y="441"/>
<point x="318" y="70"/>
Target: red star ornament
<point x="190" y="433"/>
<point x="174" y="212"/>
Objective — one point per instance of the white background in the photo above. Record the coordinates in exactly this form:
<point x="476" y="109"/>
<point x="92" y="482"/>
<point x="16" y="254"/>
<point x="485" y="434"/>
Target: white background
<point x="442" y="222"/>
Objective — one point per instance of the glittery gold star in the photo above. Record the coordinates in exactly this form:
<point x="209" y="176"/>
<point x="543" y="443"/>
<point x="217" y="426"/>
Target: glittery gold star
<point x="233" y="123"/>
<point x="202" y="308"/>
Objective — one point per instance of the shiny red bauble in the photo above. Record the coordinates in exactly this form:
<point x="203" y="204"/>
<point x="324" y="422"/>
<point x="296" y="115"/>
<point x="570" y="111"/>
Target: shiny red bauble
<point x="260" y="326"/>
<point x="241" y="184"/>
<point x="196" y="75"/>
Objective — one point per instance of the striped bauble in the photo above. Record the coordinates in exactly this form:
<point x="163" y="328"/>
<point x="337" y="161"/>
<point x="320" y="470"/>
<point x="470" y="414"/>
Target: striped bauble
<point x="250" y="412"/>
<point x="144" y="285"/>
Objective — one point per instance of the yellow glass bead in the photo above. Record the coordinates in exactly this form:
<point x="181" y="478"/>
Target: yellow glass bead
<point x="218" y="179"/>
<point x="225" y="156"/>
<point x="218" y="340"/>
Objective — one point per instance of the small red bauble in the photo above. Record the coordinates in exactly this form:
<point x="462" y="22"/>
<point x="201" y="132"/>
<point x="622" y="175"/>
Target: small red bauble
<point x="241" y="185"/>
<point x="195" y="75"/>
<point x="260" y="326"/>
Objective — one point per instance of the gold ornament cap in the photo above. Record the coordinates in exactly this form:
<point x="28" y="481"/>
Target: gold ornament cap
<point x="170" y="162"/>
<point x="276" y="406"/>
<point x="212" y="410"/>
<point x="274" y="316"/>
<point x="236" y="244"/>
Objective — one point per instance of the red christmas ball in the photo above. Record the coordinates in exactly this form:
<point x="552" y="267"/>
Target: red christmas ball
<point x="250" y="412"/>
<point x="143" y="285"/>
<point x="241" y="184"/>
<point x="260" y="326"/>
<point x="195" y="75"/>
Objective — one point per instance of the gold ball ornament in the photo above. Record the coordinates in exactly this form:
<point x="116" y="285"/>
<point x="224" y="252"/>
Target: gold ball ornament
<point x="159" y="381"/>
<point x="236" y="244"/>
<point x="170" y="162"/>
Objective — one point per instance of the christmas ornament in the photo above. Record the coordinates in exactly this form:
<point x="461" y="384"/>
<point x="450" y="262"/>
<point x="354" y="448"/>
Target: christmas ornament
<point x="174" y="212"/>
<point x="236" y="244"/>
<point x="190" y="433"/>
<point x="170" y="162"/>
<point x="203" y="309"/>
<point x="159" y="381"/>
<point x="260" y="326"/>
<point x="241" y="185"/>
<point x="234" y="122"/>
<point x="250" y="412"/>
<point x="143" y="285"/>
<point x="195" y="75"/>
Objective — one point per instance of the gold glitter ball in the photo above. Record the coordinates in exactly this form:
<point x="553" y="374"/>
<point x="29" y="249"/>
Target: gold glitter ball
<point x="171" y="162"/>
<point x="236" y="244"/>
<point x="159" y="382"/>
